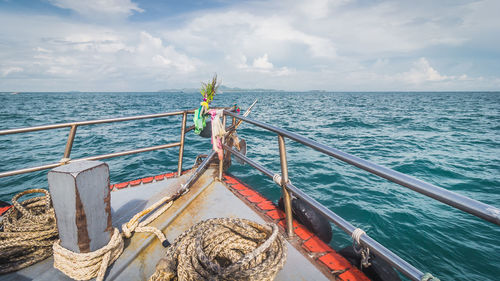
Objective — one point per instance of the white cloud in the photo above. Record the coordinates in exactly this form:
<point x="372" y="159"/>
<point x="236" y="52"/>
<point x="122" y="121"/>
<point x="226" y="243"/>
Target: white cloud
<point x="423" y="72"/>
<point x="152" y="52"/>
<point x="239" y="33"/>
<point x="11" y="69"/>
<point x="321" y="44"/>
<point x="262" y="62"/>
<point x="97" y="8"/>
<point x="317" y="9"/>
<point x="260" y="65"/>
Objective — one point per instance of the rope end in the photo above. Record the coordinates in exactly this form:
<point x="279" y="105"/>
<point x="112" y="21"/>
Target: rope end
<point x="165" y="243"/>
<point x="429" y="277"/>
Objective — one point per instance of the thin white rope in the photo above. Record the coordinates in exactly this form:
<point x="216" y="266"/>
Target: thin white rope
<point x="363" y="250"/>
<point x="356" y="235"/>
<point x="277" y="179"/>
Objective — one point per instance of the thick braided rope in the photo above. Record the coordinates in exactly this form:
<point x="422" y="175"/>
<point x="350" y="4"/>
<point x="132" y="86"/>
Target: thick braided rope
<point x="224" y="249"/>
<point x="85" y="266"/>
<point x="27" y="231"/>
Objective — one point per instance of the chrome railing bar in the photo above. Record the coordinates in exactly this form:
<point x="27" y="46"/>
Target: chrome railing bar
<point x="99" y="157"/>
<point x="235" y="124"/>
<point x="287" y="199"/>
<point x="135" y="151"/>
<point x="403" y="266"/>
<point x="71" y="137"/>
<point x="474" y="207"/>
<point x="252" y="163"/>
<point x="198" y="171"/>
<point x="90" y="122"/>
<point x="221" y="160"/>
<point x="190" y="128"/>
<point x="181" y="147"/>
<point x="101" y="121"/>
<point x="69" y="143"/>
<point x="30" y="170"/>
<point x="377" y="248"/>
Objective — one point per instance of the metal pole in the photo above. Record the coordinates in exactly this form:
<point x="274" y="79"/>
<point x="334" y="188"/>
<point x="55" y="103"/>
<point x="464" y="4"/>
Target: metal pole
<point x="221" y="161"/>
<point x="181" y="147"/>
<point x="474" y="207"/>
<point x="69" y="143"/>
<point x="400" y="264"/>
<point x="91" y="122"/>
<point x="99" y="157"/>
<point x="198" y="171"/>
<point x="284" y="180"/>
<point x="235" y="124"/>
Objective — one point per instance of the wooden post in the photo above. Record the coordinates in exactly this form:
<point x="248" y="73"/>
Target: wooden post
<point x="81" y="199"/>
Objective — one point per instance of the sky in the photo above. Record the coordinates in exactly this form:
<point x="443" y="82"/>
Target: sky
<point x="336" y="45"/>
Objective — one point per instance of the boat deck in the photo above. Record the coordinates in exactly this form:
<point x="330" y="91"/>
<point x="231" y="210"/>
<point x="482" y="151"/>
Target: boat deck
<point x="207" y="198"/>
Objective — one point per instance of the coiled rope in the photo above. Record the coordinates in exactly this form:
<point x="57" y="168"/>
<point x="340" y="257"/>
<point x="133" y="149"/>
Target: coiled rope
<point x="85" y="266"/>
<point x="27" y="231"/>
<point x="224" y="249"/>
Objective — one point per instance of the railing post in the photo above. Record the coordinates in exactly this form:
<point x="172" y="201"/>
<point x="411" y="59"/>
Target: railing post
<point x="221" y="161"/>
<point x="284" y="180"/>
<point x="69" y="143"/>
<point x="181" y="147"/>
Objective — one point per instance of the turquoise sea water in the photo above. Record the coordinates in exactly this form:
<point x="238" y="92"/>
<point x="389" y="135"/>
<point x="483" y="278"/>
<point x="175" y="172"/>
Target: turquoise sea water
<point x="448" y="139"/>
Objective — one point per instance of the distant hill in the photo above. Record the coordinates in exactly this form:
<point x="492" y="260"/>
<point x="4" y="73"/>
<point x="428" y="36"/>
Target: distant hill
<point x="183" y="90"/>
<point x="227" y="89"/>
<point x="222" y="89"/>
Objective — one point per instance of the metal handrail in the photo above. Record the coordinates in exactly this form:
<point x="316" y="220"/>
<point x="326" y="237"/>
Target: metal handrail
<point x="347" y="227"/>
<point x="71" y="136"/>
<point x="479" y="209"/>
<point x="474" y="207"/>
<point x="91" y="122"/>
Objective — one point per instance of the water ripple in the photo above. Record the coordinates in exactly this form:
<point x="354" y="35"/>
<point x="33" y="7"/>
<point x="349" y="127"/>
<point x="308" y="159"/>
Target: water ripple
<point x="448" y="139"/>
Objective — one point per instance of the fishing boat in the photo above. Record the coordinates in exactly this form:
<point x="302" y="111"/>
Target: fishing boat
<point x="153" y="214"/>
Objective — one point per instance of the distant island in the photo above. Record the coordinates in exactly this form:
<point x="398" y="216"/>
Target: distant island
<point x="222" y="89"/>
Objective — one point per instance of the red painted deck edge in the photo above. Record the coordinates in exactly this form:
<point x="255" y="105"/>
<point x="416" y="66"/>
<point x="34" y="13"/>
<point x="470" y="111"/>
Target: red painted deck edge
<point x="4" y="209"/>
<point x="145" y="180"/>
<point x="324" y="255"/>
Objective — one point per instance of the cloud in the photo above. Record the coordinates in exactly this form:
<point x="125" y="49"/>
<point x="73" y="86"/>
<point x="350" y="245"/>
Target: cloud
<point x="262" y="62"/>
<point x="239" y="33"/>
<point x="84" y="57"/>
<point x="99" y="8"/>
<point x="260" y="65"/>
<point x="423" y="72"/>
<point x="321" y="44"/>
<point x="152" y="52"/>
<point x="10" y="69"/>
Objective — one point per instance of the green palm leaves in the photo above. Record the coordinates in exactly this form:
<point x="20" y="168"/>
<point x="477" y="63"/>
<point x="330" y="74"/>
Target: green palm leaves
<point x="208" y="90"/>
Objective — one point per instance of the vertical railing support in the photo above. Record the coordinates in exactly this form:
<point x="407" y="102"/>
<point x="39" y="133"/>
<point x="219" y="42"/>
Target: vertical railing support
<point x="69" y="143"/>
<point x="181" y="147"/>
<point x="284" y="180"/>
<point x="221" y="161"/>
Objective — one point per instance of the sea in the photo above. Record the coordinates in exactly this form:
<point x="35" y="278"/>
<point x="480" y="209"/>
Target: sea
<point x="449" y="139"/>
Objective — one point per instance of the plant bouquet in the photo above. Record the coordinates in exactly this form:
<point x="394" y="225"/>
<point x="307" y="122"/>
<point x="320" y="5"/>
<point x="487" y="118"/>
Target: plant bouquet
<point x="208" y="91"/>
